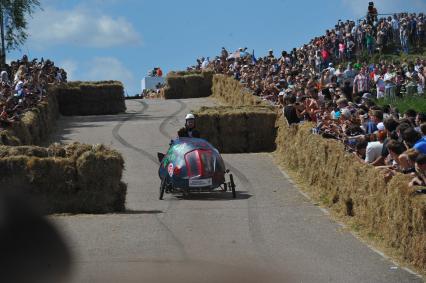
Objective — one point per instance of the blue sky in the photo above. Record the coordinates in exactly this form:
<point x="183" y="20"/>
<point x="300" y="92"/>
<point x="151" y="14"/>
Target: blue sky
<point x="122" y="40"/>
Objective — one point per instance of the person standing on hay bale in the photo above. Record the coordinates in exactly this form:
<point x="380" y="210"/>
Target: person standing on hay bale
<point x="189" y="130"/>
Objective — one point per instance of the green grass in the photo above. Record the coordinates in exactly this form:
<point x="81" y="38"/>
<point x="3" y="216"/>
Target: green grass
<point x="417" y="103"/>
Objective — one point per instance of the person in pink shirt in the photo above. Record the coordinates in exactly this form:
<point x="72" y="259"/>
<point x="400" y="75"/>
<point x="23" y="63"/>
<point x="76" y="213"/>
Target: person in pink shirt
<point x="342" y="50"/>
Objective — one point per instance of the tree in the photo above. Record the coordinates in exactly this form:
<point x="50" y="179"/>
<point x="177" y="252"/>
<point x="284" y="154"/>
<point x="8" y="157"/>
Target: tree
<point x="13" y="24"/>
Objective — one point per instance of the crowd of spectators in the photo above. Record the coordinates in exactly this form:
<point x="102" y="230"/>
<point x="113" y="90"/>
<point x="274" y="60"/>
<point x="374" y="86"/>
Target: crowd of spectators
<point x="327" y="83"/>
<point x="23" y="85"/>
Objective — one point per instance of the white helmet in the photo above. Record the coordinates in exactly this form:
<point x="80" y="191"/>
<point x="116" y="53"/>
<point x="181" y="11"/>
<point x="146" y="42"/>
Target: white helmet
<point x="189" y="116"/>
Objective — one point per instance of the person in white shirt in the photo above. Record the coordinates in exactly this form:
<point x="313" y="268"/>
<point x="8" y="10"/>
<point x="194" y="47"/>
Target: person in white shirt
<point x="349" y="75"/>
<point x="205" y="63"/>
<point x="331" y="69"/>
<point x="380" y="85"/>
<point x="390" y="85"/>
<point x="373" y="151"/>
<point x="420" y="81"/>
<point x="395" y="28"/>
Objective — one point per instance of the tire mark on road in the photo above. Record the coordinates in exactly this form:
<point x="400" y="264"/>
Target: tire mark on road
<point x="167" y="120"/>
<point x="124" y="142"/>
<point x="120" y="139"/>
<point x="254" y="222"/>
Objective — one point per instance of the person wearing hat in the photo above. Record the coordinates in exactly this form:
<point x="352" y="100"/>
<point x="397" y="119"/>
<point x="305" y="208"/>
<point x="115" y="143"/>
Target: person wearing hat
<point x="189" y="130"/>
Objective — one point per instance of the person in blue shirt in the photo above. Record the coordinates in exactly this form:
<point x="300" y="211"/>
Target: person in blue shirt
<point x="413" y="139"/>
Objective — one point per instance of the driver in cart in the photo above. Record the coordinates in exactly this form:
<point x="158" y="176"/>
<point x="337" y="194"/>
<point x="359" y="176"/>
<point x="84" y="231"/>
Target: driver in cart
<point x="189" y="130"/>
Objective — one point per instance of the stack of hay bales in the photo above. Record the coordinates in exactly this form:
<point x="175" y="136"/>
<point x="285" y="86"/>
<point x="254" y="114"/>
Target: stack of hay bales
<point x="34" y="126"/>
<point x="90" y="98"/>
<point x="230" y="91"/>
<point x="188" y="85"/>
<point x="238" y="129"/>
<point x="388" y="212"/>
<point x="66" y="179"/>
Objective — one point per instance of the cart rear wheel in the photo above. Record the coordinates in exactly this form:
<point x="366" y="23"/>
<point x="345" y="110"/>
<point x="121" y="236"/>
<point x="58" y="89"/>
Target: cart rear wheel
<point x="185" y="193"/>
<point x="232" y="184"/>
<point x="162" y="188"/>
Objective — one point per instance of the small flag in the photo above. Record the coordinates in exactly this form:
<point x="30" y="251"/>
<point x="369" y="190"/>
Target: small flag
<point x="253" y="58"/>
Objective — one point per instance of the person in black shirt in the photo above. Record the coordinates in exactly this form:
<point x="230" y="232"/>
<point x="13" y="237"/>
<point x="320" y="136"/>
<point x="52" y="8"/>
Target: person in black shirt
<point x="291" y="111"/>
<point x="189" y="130"/>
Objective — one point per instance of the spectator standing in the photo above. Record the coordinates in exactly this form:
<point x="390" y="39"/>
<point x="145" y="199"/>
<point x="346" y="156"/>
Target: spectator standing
<point x="205" y="63"/>
<point x="395" y="29"/>
<point x="404" y="36"/>
<point x="390" y="85"/>
<point x="361" y="83"/>
<point x="380" y="83"/>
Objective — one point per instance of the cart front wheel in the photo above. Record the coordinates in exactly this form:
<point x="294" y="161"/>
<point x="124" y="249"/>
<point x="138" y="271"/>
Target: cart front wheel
<point x="162" y="188"/>
<point x="232" y="185"/>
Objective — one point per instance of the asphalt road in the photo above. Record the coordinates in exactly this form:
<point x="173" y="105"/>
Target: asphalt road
<point x="270" y="233"/>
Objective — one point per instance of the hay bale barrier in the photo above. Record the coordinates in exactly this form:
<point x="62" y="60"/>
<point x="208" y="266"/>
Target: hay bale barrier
<point x="389" y="213"/>
<point x="229" y="91"/>
<point x="90" y="98"/>
<point x="238" y="129"/>
<point x="35" y="125"/>
<point x="188" y="85"/>
<point x="76" y="178"/>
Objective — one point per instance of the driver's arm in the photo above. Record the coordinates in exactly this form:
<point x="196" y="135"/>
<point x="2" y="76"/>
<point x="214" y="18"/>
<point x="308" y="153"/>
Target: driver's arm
<point x="182" y="133"/>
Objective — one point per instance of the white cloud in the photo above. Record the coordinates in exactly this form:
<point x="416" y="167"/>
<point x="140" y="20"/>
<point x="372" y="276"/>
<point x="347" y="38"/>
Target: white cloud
<point x="359" y="7"/>
<point x="81" y="26"/>
<point x="109" y="68"/>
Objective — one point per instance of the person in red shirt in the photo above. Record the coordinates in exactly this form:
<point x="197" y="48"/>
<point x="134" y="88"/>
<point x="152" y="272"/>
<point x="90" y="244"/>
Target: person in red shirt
<point x="159" y="72"/>
<point x="325" y="57"/>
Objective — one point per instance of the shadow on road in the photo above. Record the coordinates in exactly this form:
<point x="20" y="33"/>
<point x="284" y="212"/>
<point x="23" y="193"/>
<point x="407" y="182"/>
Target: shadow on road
<point x="130" y="212"/>
<point x="216" y="196"/>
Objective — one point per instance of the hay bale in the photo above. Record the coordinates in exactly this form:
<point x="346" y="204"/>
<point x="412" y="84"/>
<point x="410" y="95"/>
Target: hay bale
<point x="261" y="130"/>
<point x="194" y="86"/>
<point x="33" y="151"/>
<point x="231" y="92"/>
<point x="188" y="85"/>
<point x="208" y="125"/>
<point x="77" y="178"/>
<point x="387" y="211"/>
<point x="13" y="173"/>
<point x="99" y="176"/>
<point x="7" y="138"/>
<point x="90" y="98"/>
<point x="233" y="131"/>
<point x="236" y="129"/>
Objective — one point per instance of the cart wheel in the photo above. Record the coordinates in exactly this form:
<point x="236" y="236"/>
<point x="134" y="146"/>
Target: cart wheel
<point x="162" y="188"/>
<point x="232" y="185"/>
<point x="185" y="193"/>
